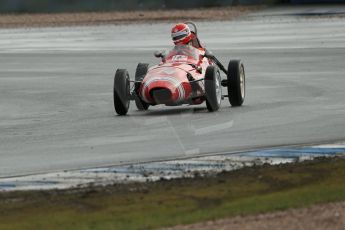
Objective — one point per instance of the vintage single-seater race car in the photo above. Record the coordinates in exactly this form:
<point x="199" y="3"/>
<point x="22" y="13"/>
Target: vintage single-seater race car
<point x="186" y="75"/>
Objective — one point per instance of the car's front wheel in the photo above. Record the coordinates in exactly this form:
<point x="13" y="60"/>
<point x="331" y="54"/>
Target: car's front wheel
<point x="121" y="91"/>
<point x="213" y="89"/>
<point x="140" y="73"/>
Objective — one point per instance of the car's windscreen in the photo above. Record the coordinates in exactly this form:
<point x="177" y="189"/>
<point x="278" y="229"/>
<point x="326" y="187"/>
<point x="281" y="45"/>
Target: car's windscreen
<point x="183" y="53"/>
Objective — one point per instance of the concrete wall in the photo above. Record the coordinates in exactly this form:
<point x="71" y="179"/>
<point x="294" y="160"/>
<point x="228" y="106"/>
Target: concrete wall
<point x="35" y="6"/>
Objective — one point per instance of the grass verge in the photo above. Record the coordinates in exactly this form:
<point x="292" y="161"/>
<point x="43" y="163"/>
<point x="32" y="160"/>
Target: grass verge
<point x="183" y="201"/>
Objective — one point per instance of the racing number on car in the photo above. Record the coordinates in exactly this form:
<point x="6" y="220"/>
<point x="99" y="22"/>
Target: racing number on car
<point x="180" y="58"/>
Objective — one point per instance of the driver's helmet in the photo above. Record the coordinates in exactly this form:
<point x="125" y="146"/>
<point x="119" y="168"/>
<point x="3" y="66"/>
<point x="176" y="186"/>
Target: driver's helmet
<point x="181" y="34"/>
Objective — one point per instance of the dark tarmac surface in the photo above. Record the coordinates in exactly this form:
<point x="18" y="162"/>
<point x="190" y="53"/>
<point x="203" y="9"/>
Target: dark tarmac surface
<point x="56" y="108"/>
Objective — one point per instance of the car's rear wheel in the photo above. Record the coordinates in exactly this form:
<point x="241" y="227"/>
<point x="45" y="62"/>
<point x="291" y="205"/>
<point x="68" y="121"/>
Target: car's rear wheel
<point x="213" y="89"/>
<point x="121" y="91"/>
<point x="140" y="73"/>
<point x="236" y="83"/>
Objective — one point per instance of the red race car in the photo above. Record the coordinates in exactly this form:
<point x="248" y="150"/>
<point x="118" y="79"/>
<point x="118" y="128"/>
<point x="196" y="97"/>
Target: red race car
<point x="186" y="75"/>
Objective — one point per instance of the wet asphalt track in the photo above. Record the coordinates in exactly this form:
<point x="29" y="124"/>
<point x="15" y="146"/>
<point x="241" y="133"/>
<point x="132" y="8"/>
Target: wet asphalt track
<point x="56" y="108"/>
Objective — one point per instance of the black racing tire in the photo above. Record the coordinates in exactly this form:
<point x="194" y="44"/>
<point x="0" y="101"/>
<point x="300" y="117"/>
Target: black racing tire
<point x="121" y="91"/>
<point x="236" y="83"/>
<point x="140" y="73"/>
<point x="213" y="89"/>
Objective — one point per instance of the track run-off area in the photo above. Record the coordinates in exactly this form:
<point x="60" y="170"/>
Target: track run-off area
<point x="56" y="105"/>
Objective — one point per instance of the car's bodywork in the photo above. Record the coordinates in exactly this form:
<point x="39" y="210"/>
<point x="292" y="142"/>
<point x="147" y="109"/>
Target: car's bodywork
<point x="177" y="79"/>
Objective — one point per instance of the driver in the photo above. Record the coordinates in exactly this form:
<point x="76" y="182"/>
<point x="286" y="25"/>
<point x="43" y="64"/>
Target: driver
<point x="182" y="35"/>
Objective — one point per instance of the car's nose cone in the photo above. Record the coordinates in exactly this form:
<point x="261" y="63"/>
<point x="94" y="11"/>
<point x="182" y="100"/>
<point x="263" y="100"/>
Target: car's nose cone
<point x="162" y="90"/>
